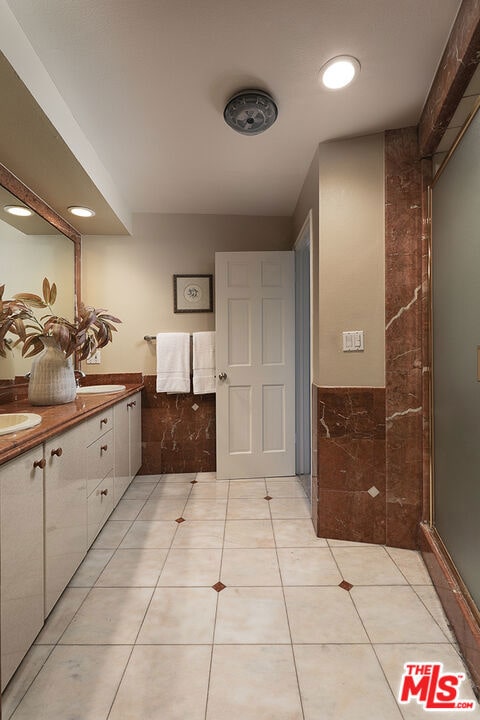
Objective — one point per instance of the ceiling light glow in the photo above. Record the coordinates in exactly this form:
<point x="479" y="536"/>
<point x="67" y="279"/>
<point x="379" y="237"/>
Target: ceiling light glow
<point x="19" y="210"/>
<point x="339" y="72"/>
<point x="81" y="211"/>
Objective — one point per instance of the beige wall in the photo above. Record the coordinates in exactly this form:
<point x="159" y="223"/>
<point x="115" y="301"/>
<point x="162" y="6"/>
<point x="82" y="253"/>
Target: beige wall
<point x="132" y="276"/>
<point x="352" y="260"/>
<point x="344" y="189"/>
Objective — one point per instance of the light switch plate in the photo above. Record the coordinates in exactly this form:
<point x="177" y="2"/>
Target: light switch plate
<point x="96" y="358"/>
<point x="353" y="341"/>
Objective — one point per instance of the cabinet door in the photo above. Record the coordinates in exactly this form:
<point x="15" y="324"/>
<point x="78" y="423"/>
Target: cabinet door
<point x="21" y="500"/>
<point x="121" y="452"/>
<point x="65" y="510"/>
<point x="135" y="428"/>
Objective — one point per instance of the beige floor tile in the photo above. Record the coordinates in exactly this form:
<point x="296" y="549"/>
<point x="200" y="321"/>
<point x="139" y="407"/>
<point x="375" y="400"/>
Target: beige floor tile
<point x="255" y="682"/>
<point x="248" y="509"/>
<point x="180" y="616"/>
<point x="410" y="563"/>
<point x="158" y="508"/>
<point x="75" y="682"/>
<point x="323" y="615"/>
<point x="215" y="490"/>
<point x="308" y="566"/>
<point x="133" y="568"/>
<point x="91" y="568"/>
<point x="150" y="534"/>
<point x="367" y="566"/>
<point x="61" y="615"/>
<point x="178" y="477"/>
<point x="251" y="615"/>
<point x="208" y="509"/>
<point x="112" y="534"/>
<point x="108" y="616"/>
<point x="191" y="568"/>
<point x="395" y="615"/>
<point x="25" y="674"/>
<point x="257" y="566"/>
<point x="170" y="490"/>
<point x="247" y="479"/>
<point x="249" y="534"/>
<point x="248" y="489"/>
<point x="287" y="508"/>
<point x="347" y="543"/>
<point x="127" y="510"/>
<point x="393" y="658"/>
<point x="296" y="533"/>
<point x="206" y="476"/>
<point x="167" y="682"/>
<point x="343" y="681"/>
<point x="200" y="534"/>
<point x="283" y="478"/>
<point x="428" y="595"/>
<point x="139" y="491"/>
<point x="285" y="488"/>
<point x="146" y="479"/>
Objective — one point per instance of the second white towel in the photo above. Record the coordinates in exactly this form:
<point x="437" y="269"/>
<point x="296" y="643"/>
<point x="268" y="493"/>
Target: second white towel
<point x="203" y="363"/>
<point x="173" y="362"/>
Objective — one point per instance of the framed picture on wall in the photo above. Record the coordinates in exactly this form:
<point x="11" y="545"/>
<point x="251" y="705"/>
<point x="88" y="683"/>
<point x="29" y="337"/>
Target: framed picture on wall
<point x="192" y="293"/>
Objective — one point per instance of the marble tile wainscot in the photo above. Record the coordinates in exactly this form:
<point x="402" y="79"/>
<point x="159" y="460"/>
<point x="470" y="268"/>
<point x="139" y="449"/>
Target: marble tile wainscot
<point x="351" y="483"/>
<point x="178" y="431"/>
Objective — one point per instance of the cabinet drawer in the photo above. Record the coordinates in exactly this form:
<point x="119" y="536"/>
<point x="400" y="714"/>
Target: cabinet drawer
<point x="99" y="460"/>
<point x="98" y="425"/>
<point x="99" y="507"/>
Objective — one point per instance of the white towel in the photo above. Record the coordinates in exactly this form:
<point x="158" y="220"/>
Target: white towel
<point x="203" y="363"/>
<point x="173" y="362"/>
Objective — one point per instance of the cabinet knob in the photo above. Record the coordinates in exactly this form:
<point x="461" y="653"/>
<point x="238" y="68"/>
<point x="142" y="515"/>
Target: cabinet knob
<point x="131" y="404"/>
<point x="103" y="421"/>
<point x="104" y="448"/>
<point x="40" y="463"/>
<point x="104" y="492"/>
<point x="58" y="452"/>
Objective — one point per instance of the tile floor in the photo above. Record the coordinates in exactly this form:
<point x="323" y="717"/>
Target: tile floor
<point x="204" y="600"/>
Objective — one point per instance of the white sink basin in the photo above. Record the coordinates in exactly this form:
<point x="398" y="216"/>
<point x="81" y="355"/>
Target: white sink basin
<point x="13" y="422"/>
<point x="90" y="389"/>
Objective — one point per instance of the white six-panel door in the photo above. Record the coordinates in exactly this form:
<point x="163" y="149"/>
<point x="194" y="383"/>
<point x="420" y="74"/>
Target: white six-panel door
<point x="255" y="356"/>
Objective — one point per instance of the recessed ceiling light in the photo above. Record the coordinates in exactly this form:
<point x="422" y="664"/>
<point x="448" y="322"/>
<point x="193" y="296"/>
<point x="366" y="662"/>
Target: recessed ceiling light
<point x="81" y="211"/>
<point x="339" y="72"/>
<point x="19" y="210"/>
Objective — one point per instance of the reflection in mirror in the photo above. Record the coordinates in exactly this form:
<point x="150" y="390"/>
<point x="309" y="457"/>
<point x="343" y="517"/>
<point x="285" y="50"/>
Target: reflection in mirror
<point x="31" y="249"/>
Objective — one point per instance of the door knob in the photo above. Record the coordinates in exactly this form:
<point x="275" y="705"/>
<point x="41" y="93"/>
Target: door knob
<point x="222" y="376"/>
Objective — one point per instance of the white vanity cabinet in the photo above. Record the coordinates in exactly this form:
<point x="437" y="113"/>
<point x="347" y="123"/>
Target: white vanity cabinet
<point x="128" y="442"/>
<point x="22" y="598"/>
<point x="65" y="510"/>
<point x="99" y="472"/>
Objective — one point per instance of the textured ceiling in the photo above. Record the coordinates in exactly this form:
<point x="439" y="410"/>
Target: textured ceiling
<point x="147" y="81"/>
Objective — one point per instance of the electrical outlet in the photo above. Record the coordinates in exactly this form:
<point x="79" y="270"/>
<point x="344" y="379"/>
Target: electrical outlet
<point x="95" y="359"/>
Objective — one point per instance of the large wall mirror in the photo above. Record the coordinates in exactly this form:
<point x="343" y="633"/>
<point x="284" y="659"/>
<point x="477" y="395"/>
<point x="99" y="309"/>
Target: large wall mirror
<point x="31" y="248"/>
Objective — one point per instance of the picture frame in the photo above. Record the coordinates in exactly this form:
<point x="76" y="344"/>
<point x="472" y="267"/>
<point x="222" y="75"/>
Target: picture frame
<point x="192" y="293"/>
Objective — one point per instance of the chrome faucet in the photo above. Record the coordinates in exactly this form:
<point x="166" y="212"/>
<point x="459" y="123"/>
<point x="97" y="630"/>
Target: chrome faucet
<point x="78" y="374"/>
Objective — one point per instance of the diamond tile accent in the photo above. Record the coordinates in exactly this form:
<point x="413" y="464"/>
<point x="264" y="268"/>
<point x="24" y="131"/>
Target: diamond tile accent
<point x="267" y="497"/>
<point x="219" y="586"/>
<point x="193" y="482"/>
<point x="345" y="585"/>
<point x="373" y="491"/>
<point x="195" y="407"/>
<point x="180" y="520"/>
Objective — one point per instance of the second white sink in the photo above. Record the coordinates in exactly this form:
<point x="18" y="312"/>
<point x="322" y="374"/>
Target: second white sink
<point x="91" y="389"/>
<point x="13" y="422"/>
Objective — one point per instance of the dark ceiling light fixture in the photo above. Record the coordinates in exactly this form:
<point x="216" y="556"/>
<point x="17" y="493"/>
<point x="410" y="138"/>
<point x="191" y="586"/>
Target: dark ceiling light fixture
<point x="250" y="112"/>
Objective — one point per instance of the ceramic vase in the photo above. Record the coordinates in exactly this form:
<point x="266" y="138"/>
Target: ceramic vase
<point x="52" y="381"/>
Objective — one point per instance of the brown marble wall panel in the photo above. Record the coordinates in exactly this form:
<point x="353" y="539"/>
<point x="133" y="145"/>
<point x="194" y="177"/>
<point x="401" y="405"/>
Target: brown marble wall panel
<point x="176" y="437"/>
<point x="403" y="337"/>
<point x="315" y="457"/>
<point x="351" y="461"/>
<point x="455" y="70"/>
<point x="460" y="609"/>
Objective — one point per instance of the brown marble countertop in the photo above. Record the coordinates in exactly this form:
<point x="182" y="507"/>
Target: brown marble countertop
<point x="56" y="418"/>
